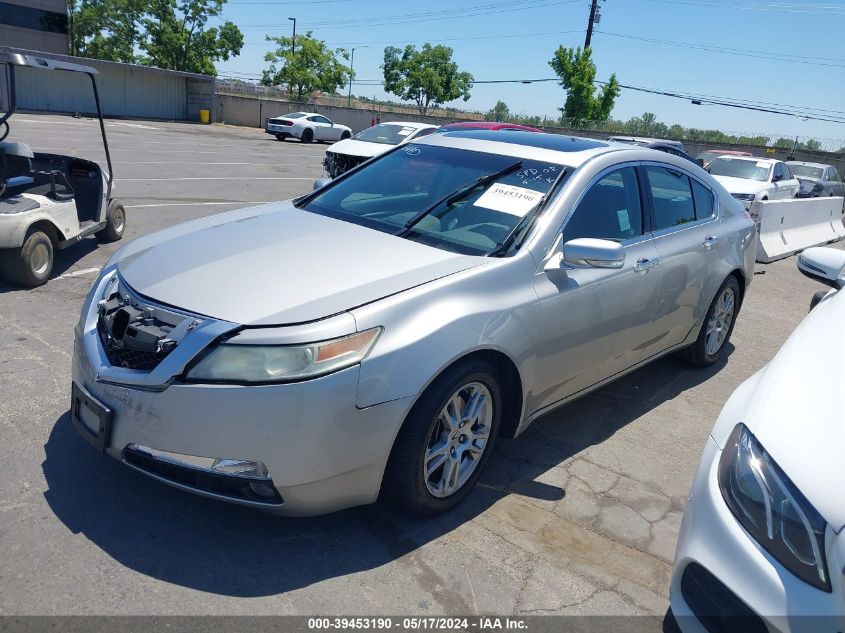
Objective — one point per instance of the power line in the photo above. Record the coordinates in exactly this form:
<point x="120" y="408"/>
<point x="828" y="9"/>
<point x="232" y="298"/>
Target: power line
<point x="780" y="57"/>
<point x="767" y="7"/>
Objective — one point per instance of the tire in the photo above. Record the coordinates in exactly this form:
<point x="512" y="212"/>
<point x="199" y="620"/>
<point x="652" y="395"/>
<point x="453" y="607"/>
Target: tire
<point x="345" y="136"/>
<point x="702" y="354"/>
<point x="280" y="137"/>
<point x="115" y="223"/>
<point x="31" y="264"/>
<point x="307" y="136"/>
<point x="405" y="483"/>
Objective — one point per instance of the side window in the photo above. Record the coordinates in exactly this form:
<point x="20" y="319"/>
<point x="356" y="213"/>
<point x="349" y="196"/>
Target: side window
<point x="834" y="175"/>
<point x="703" y="199"/>
<point x="787" y="172"/>
<point x="425" y="132"/>
<point x="322" y="119"/>
<point x="609" y="210"/>
<point x="672" y="197"/>
<point x="778" y="175"/>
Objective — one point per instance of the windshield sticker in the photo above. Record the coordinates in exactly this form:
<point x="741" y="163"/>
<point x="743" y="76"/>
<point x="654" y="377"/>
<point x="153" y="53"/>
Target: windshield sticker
<point x="412" y="150"/>
<point x="405" y="131"/>
<point x="624" y="220"/>
<point x="509" y="199"/>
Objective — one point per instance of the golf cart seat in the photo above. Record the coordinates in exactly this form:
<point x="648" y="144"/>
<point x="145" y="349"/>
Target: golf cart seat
<point x="16" y="164"/>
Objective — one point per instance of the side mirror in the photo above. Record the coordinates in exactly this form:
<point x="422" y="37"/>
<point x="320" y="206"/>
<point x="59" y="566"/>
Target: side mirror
<point x="587" y="252"/>
<point x="320" y="182"/>
<point x="700" y="162"/>
<point x="826" y="265"/>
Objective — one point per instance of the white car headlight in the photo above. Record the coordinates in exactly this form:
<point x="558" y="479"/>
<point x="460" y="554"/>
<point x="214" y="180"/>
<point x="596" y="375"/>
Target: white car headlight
<point x="772" y="510"/>
<point x="230" y="362"/>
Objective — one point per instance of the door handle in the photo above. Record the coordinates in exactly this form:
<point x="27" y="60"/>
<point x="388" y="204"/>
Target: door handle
<point x="643" y="265"/>
<point x="709" y="241"/>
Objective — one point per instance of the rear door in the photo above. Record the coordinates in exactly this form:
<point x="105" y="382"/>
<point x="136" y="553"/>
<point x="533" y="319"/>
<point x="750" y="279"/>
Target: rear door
<point x="689" y="242"/>
<point x="593" y="321"/>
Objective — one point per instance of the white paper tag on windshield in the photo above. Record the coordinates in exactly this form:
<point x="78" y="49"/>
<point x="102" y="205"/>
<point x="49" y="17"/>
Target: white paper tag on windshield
<point x="509" y="199"/>
<point x="405" y="131"/>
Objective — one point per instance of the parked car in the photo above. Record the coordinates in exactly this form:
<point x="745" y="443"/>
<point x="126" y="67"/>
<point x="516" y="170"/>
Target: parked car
<point x="373" y="141"/>
<point x="49" y="201"/>
<point x="374" y="337"/>
<point x="645" y="141"/>
<point x="488" y="125"/>
<point x="761" y="538"/>
<point x="670" y="147"/>
<point x="307" y="127"/>
<point x="817" y="179"/>
<point x="709" y="155"/>
<point x="752" y="179"/>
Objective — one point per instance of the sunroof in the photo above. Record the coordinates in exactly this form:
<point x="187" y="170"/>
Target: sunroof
<point x="557" y="142"/>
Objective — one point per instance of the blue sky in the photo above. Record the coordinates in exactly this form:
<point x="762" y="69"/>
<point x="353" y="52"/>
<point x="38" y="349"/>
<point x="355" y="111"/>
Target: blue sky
<point x="516" y="39"/>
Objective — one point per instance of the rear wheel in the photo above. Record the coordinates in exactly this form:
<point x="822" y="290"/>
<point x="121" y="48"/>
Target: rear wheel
<point x="280" y="137"/>
<point x="445" y="441"/>
<point x="31" y="264"/>
<point x="307" y="136"/>
<point x="717" y="327"/>
<point x="115" y="223"/>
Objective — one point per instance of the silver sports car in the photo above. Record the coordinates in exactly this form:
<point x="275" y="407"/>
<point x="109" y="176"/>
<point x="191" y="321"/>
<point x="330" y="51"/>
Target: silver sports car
<point x="376" y="336"/>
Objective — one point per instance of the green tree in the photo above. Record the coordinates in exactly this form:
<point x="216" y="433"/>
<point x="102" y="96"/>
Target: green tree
<point x="499" y="112"/>
<point x="310" y="67"/>
<point x="577" y="74"/>
<point x="176" y="36"/>
<point x="428" y="77"/>
<point x="170" y="34"/>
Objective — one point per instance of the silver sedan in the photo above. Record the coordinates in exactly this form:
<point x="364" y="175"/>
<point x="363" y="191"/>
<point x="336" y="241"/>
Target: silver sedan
<point x="375" y="337"/>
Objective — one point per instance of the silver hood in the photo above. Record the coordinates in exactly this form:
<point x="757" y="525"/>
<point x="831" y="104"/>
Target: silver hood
<point x="276" y="264"/>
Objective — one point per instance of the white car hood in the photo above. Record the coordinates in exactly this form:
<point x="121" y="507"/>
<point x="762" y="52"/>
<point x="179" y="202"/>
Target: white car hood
<point x="741" y="185"/>
<point x="352" y="147"/>
<point x="796" y="409"/>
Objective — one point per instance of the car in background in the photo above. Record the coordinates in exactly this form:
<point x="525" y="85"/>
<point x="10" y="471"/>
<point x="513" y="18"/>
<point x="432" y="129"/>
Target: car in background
<point x="307" y="127"/>
<point x="670" y="147"/>
<point x="374" y="337"/>
<point x="373" y="141"/>
<point x="761" y="546"/>
<point x="488" y="125"/>
<point x="753" y="179"/>
<point x="711" y="154"/>
<point x="817" y="179"/>
<point x="644" y="141"/>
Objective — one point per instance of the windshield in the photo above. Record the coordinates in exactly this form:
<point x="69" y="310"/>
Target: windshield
<point x="806" y="170"/>
<point x="392" y="193"/>
<point x="387" y="133"/>
<point x="740" y="168"/>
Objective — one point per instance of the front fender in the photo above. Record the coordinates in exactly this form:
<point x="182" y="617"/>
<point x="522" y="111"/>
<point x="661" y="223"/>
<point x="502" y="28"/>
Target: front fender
<point x="426" y="329"/>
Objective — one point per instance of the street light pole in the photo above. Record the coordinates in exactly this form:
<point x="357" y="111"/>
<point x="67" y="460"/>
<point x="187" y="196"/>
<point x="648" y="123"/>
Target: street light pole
<point x="351" y="66"/>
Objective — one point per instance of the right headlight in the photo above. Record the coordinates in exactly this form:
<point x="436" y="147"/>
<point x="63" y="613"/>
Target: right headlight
<point x="745" y="196"/>
<point x="771" y="509"/>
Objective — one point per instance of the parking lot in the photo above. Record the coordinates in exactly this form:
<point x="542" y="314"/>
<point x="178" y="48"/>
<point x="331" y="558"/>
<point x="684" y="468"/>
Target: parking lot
<point x="578" y="515"/>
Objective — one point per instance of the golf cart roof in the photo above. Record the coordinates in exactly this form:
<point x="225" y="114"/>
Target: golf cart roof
<point x="8" y="56"/>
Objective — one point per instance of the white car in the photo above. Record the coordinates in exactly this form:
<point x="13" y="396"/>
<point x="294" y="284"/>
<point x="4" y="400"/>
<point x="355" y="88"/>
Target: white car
<point x="762" y="535"/>
<point x="752" y="179"/>
<point x="307" y="127"/>
<point x="371" y="142"/>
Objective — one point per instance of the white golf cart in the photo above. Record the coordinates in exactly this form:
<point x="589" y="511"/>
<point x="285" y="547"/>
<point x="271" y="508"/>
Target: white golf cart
<point x="49" y="201"/>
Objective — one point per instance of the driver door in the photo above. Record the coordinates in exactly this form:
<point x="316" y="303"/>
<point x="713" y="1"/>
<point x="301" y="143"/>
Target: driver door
<point x="595" y="322"/>
<point x="328" y="132"/>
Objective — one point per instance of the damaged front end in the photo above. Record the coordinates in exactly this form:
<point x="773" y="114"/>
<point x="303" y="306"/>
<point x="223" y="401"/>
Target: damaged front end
<point x="136" y="334"/>
<point x="336" y="164"/>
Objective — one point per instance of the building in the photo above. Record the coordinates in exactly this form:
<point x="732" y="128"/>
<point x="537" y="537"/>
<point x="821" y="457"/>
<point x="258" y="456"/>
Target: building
<point x="39" y="25"/>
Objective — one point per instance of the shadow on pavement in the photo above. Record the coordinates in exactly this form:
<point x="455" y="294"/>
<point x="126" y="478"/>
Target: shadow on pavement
<point x="228" y="550"/>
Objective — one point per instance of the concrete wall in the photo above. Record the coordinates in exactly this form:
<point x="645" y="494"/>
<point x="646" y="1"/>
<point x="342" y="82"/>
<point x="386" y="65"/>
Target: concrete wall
<point x="252" y="112"/>
<point x="126" y="91"/>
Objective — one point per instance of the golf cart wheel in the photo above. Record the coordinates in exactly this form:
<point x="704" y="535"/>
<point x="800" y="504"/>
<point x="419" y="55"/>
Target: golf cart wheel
<point x="31" y="264"/>
<point x="307" y="136"/>
<point x="280" y="137"/>
<point x="115" y="223"/>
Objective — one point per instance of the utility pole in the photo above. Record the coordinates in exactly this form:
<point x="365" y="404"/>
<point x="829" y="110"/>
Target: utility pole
<point x="293" y="39"/>
<point x="351" y="65"/>
<point x="594" y="9"/>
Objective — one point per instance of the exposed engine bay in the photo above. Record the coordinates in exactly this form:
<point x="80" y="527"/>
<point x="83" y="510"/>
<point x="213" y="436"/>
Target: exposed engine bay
<point x="336" y="164"/>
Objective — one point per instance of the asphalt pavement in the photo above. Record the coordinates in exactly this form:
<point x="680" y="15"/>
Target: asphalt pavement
<point x="579" y="515"/>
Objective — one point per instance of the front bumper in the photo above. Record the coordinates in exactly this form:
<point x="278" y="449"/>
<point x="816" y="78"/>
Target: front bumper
<point x="321" y="452"/>
<point x="711" y="537"/>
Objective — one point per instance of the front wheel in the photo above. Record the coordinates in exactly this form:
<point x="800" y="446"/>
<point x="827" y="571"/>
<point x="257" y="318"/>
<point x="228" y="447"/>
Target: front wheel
<point x="345" y="136"/>
<point x="717" y="327"/>
<point x="115" y="223"/>
<point x="31" y="264"/>
<point x="445" y="441"/>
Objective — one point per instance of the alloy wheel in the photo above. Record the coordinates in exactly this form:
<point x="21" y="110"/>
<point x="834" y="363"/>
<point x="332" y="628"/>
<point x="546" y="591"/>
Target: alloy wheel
<point x="719" y="323"/>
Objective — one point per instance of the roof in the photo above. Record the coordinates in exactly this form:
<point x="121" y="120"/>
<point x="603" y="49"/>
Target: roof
<point x="801" y="162"/>
<point x="488" y="125"/>
<point x="571" y="151"/>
